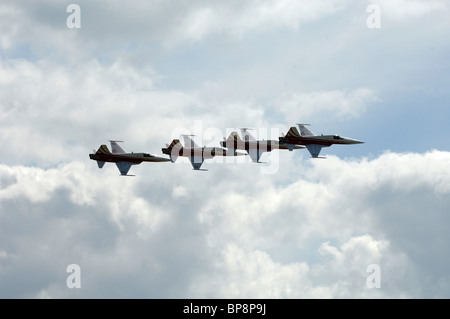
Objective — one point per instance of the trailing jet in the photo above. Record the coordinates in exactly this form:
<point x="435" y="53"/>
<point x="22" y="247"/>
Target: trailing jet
<point x="194" y="152"/>
<point x="122" y="159"/>
<point x="313" y="143"/>
<point x="255" y="148"/>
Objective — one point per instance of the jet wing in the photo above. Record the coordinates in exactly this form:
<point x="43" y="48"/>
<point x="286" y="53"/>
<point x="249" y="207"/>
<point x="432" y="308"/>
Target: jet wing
<point x="124" y="167"/>
<point x="196" y="161"/>
<point x="314" y="149"/>
<point x="255" y="154"/>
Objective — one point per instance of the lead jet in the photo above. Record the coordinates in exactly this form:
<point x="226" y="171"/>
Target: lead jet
<point x="313" y="142"/>
<point x="122" y="159"/>
<point x="255" y="148"/>
<point x="194" y="152"/>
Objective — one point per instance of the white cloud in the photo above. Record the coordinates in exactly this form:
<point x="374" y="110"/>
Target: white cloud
<point x="46" y="108"/>
<point x="310" y="230"/>
<point x="342" y="105"/>
<point x="10" y="16"/>
<point x="107" y="23"/>
<point x="39" y="186"/>
<point x="350" y="202"/>
<point x="348" y="269"/>
<point x="404" y="9"/>
<point x="253" y="274"/>
<point x="239" y="18"/>
<point x="248" y="236"/>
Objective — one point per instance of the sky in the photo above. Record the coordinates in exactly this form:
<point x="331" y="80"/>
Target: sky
<point x="369" y="221"/>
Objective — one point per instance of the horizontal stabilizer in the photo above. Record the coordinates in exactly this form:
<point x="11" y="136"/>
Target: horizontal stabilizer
<point x="173" y="157"/>
<point x="290" y="147"/>
<point x="100" y="164"/>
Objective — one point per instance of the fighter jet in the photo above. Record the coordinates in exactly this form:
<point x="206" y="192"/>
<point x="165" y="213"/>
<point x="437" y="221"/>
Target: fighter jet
<point x="313" y="143"/>
<point x="122" y="159"/>
<point x="255" y="148"/>
<point x="194" y="152"/>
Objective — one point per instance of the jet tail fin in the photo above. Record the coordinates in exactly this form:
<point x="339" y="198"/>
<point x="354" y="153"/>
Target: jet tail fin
<point x="293" y="132"/>
<point x="173" y="150"/>
<point x="234" y="136"/>
<point x="103" y="149"/>
<point x="234" y="142"/>
<point x="175" y="144"/>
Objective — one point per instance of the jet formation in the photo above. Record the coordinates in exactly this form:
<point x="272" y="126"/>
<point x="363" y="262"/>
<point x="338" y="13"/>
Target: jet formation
<point x="293" y="140"/>
<point x="196" y="154"/>
<point x="254" y="148"/>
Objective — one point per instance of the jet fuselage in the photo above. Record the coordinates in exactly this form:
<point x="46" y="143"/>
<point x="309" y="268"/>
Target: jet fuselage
<point x="324" y="140"/>
<point x="103" y="155"/>
<point x="266" y="146"/>
<point x="202" y="152"/>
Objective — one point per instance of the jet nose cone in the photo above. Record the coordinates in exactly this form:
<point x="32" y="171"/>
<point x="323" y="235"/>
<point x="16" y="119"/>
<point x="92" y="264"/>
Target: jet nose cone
<point x="347" y="140"/>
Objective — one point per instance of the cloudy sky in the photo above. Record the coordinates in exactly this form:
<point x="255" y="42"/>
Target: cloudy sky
<point x="294" y="227"/>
